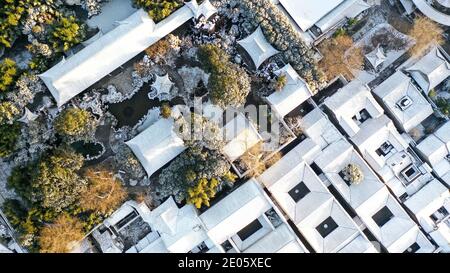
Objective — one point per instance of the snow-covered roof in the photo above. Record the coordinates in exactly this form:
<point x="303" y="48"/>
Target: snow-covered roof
<point x="28" y="116"/>
<point x="157" y="145"/>
<point x="431" y="12"/>
<point x="347" y="9"/>
<point x="387" y="153"/>
<point x="72" y="76"/>
<point x="180" y="228"/>
<point x="300" y="183"/>
<point x="124" y="210"/>
<point x="436" y="150"/>
<point x="329" y="228"/>
<point x="4" y="249"/>
<point x="162" y="84"/>
<point x="359" y="245"/>
<point x="334" y="159"/>
<point x="235" y="211"/>
<point x="205" y="9"/>
<point x="408" y="5"/>
<point x="404" y="101"/>
<point x="348" y="104"/>
<point x="376" y="57"/>
<point x="427" y="202"/>
<point x="373" y="136"/>
<point x="257" y="47"/>
<point x="445" y="3"/>
<point x="306" y="12"/>
<point x="280" y="240"/>
<point x="319" y="128"/>
<point x="294" y="93"/>
<point x="107" y="240"/>
<point x="243" y="206"/>
<point x="240" y="135"/>
<point x="392" y="226"/>
<point x="305" y="199"/>
<point x="430" y="70"/>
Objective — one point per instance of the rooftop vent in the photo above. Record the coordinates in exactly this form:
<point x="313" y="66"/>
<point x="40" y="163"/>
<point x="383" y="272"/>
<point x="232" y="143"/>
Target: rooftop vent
<point x="299" y="191"/>
<point x="385" y="149"/>
<point x="410" y="173"/>
<point x="326" y="227"/>
<point x="382" y="216"/>
<point x="404" y="103"/>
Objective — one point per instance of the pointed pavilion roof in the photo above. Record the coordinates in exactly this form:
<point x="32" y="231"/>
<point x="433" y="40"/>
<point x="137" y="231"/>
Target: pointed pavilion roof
<point x="28" y="116"/>
<point x="162" y="84"/>
<point x="257" y="47"/>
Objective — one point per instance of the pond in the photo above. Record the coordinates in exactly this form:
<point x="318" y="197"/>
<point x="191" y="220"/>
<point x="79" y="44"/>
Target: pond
<point x="89" y="150"/>
<point x="130" y="111"/>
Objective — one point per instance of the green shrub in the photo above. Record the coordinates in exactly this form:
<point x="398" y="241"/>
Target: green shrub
<point x="11" y="12"/>
<point x="158" y="9"/>
<point x="166" y="110"/>
<point x="432" y="94"/>
<point x="75" y="122"/>
<point x="228" y="83"/>
<point x="444" y="106"/>
<point x="196" y="176"/>
<point x="340" y="32"/>
<point x="8" y="74"/>
<point x="65" y="33"/>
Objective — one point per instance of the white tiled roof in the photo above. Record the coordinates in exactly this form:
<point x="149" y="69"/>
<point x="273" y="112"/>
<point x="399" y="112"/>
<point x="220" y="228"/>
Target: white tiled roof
<point x="157" y="145"/>
<point x="306" y="12"/>
<point x="349" y="101"/>
<point x="430" y="70"/>
<point x="397" y="87"/>
<point x="294" y="93"/>
<point x="74" y="75"/>
<point x="257" y="47"/>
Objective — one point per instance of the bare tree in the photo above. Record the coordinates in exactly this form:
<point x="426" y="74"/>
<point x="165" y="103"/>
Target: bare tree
<point x="425" y="32"/>
<point x="254" y="160"/>
<point x="61" y="236"/>
<point x="339" y="56"/>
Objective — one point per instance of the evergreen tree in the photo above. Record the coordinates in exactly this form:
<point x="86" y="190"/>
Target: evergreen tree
<point x="75" y="122"/>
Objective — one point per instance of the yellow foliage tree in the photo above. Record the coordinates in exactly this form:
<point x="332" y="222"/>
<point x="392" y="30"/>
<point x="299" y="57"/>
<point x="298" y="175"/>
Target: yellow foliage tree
<point x="61" y="236"/>
<point x="104" y="193"/>
<point x="202" y="193"/>
<point x="339" y="56"/>
<point x="425" y="32"/>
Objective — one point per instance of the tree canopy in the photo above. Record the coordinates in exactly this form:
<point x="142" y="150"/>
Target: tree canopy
<point x="8" y="74"/>
<point x="339" y="56"/>
<point x="425" y="32"/>
<point x="196" y="175"/>
<point x="61" y="236"/>
<point x="104" y="192"/>
<point x="228" y="83"/>
<point x="74" y="122"/>
<point x="159" y="9"/>
<point x="11" y="12"/>
<point x="9" y="134"/>
<point x="56" y="183"/>
<point x="66" y="32"/>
